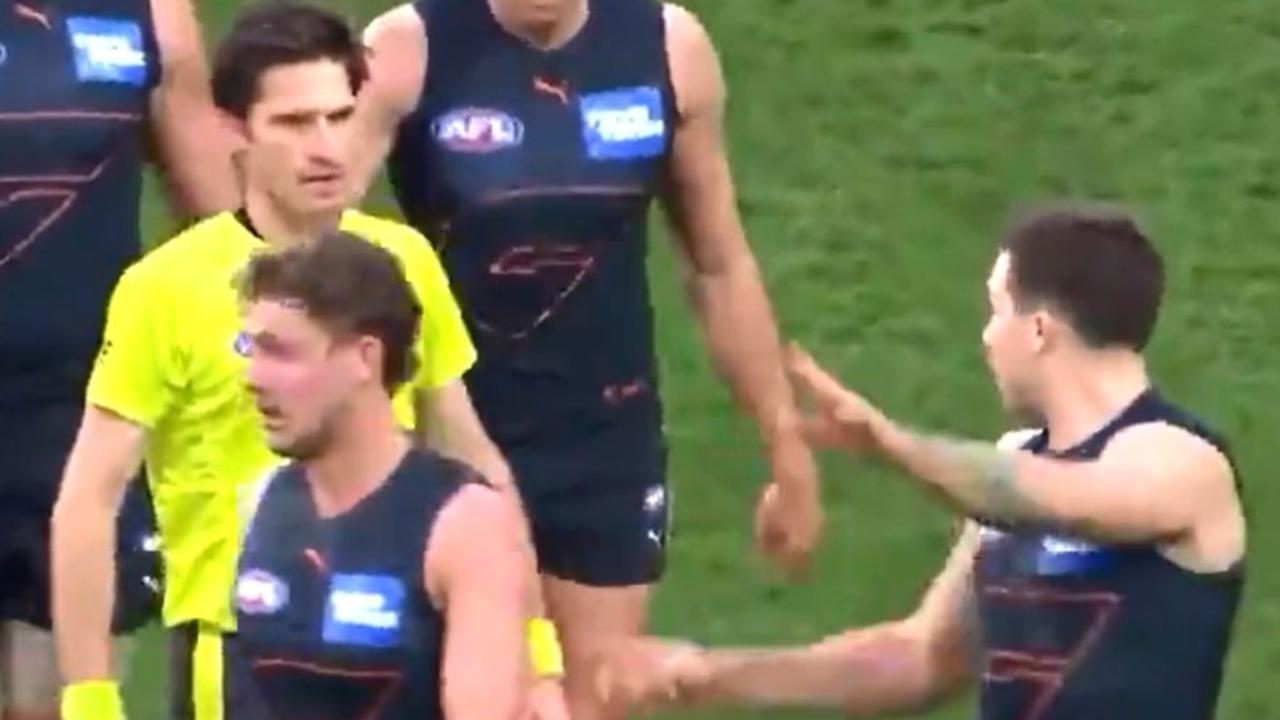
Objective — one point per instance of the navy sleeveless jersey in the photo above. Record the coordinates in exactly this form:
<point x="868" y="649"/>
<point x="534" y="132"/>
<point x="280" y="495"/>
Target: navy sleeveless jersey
<point x="75" y="78"/>
<point x="1074" y="629"/>
<point x="534" y="173"/>
<point x="332" y="615"/>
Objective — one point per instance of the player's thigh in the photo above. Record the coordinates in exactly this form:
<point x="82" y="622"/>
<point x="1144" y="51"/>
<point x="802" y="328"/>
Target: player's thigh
<point x="589" y="620"/>
<point x="31" y="679"/>
<point x="588" y="617"/>
<point x="599" y="553"/>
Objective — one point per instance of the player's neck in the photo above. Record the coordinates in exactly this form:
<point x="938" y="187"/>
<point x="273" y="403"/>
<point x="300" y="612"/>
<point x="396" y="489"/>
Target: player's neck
<point x="1088" y="391"/>
<point x="544" y="29"/>
<point x="366" y="449"/>
<point x="277" y="225"/>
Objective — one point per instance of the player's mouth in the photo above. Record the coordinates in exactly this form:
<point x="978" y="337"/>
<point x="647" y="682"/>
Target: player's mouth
<point x="271" y="416"/>
<point x="324" y="183"/>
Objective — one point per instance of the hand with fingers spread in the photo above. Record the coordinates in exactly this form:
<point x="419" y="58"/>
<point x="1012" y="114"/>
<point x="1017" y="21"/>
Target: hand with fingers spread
<point x="838" y="417"/>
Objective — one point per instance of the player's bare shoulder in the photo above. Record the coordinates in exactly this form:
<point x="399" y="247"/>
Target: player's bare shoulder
<point x="1172" y="450"/>
<point x="397" y="42"/>
<point x="692" y="58"/>
<point x="1199" y="472"/>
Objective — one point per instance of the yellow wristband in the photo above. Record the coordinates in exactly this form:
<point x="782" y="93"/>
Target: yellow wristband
<point x="544" y="648"/>
<point x="92" y="700"/>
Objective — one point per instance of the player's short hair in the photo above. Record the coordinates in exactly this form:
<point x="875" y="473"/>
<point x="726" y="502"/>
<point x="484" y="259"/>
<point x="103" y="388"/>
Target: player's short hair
<point x="1093" y="264"/>
<point x="348" y="285"/>
<point x="281" y="32"/>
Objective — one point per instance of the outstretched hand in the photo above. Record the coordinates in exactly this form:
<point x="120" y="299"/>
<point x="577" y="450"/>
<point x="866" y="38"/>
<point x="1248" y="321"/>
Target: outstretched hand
<point x="837" y="417"/>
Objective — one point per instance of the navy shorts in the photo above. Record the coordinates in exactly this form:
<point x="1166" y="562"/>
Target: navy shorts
<point x="33" y="451"/>
<point x="598" y="504"/>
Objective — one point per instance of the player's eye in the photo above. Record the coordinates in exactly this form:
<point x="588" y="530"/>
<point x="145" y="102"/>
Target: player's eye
<point x="295" y="120"/>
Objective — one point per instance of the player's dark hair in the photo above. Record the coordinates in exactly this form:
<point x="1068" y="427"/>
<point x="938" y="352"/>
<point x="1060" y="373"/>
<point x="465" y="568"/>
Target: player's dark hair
<point x="281" y="32"/>
<point x="348" y="285"/>
<point x="1094" y="265"/>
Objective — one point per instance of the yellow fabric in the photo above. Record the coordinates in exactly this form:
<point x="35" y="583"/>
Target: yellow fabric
<point x="544" y="648"/>
<point x="206" y="674"/>
<point x="92" y="700"/>
<point x="169" y="363"/>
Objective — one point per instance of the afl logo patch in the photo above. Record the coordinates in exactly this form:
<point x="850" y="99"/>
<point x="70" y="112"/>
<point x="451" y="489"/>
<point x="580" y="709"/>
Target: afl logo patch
<point x="260" y="593"/>
<point x="477" y="130"/>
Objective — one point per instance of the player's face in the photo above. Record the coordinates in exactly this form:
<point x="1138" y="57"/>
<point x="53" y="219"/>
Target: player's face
<point x="301" y="378"/>
<point x="1012" y="341"/>
<point x="299" y="135"/>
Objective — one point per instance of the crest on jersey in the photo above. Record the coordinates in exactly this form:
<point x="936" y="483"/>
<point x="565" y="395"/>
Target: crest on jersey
<point x="364" y="610"/>
<point x="624" y="124"/>
<point x="107" y="50"/>
<point x="258" y="592"/>
<point x="477" y="130"/>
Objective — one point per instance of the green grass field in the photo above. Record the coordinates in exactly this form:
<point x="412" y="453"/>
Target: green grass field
<point x="878" y="146"/>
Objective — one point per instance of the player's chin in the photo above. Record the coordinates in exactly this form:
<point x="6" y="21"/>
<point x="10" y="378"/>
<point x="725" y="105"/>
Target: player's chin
<point x="286" y="445"/>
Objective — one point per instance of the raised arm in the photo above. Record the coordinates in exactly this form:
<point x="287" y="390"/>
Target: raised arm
<point x="185" y="133"/>
<point x="1152" y="483"/>
<point x="397" y="42"/>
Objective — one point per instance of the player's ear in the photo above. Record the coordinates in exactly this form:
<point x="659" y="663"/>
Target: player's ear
<point x="236" y="129"/>
<point x="368" y="357"/>
<point x="1043" y="326"/>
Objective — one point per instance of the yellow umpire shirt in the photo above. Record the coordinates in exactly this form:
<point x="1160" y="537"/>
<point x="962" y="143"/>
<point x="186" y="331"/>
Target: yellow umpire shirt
<point x="171" y="361"/>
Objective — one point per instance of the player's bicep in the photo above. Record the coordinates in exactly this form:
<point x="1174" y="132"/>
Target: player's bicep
<point x="474" y="573"/>
<point x="946" y="619"/>
<point x="186" y="137"/>
<point x="699" y="194"/>
<point x="1151" y="484"/>
<point x="105" y="456"/>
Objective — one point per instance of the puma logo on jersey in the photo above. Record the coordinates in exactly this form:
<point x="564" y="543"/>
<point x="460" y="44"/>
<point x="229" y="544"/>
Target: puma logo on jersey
<point x="108" y="50"/>
<point x="624" y="124"/>
<point x="26" y="12"/>
<point x="559" y="91"/>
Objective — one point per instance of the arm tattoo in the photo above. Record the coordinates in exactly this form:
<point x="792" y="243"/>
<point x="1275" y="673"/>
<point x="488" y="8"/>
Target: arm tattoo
<point x="977" y="476"/>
